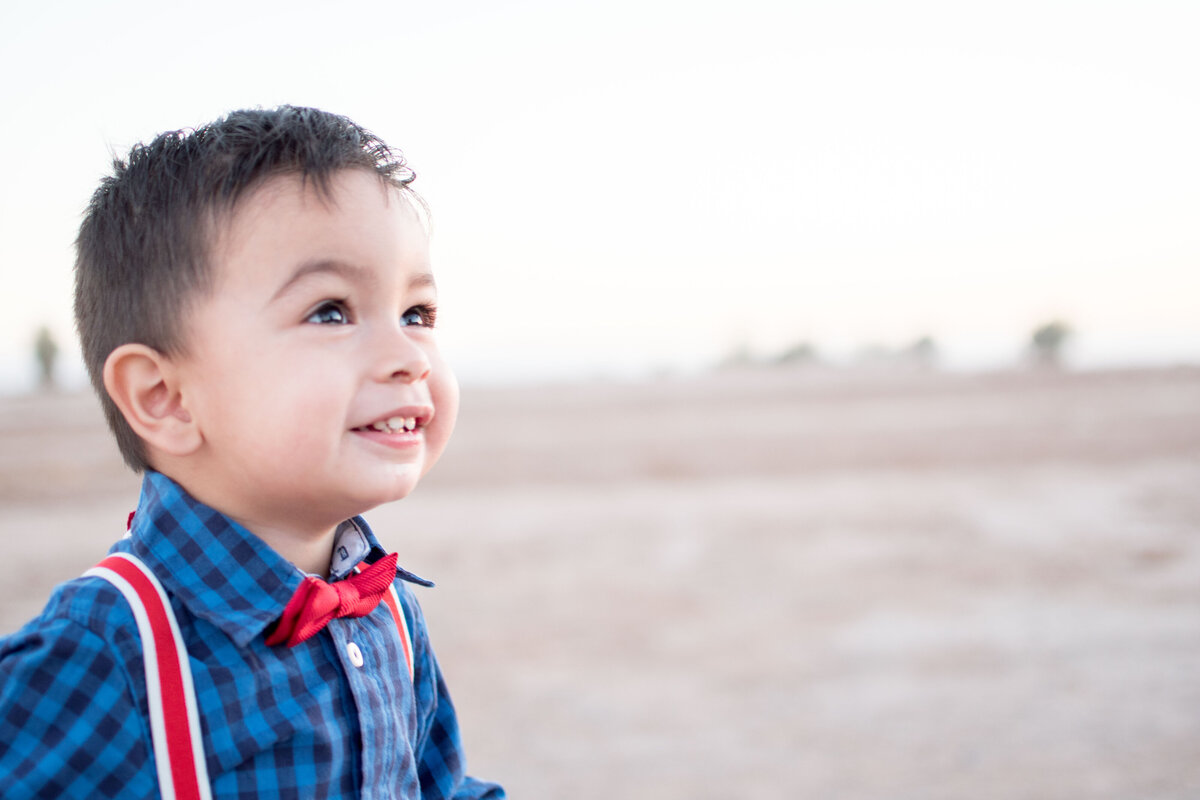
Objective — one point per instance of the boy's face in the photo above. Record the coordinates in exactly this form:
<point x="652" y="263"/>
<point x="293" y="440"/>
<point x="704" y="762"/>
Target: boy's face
<point x="317" y="332"/>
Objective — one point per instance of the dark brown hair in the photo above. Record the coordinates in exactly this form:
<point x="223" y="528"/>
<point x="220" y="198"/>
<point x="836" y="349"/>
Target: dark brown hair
<point x="143" y="247"/>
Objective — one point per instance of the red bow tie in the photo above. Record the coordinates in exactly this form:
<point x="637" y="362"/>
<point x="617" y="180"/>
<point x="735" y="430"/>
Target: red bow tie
<point x="316" y="602"/>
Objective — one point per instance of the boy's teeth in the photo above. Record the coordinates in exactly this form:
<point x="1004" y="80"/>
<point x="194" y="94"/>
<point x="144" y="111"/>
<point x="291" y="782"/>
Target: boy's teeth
<point x="393" y="424"/>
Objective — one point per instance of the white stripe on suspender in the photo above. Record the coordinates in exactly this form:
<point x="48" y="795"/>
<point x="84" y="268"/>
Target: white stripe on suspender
<point x="405" y="636"/>
<point x="154" y="691"/>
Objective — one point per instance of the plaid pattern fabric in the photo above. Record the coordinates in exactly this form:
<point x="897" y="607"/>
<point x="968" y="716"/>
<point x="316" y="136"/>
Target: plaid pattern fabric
<point x="278" y="722"/>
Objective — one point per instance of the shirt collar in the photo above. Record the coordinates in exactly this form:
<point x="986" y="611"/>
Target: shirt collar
<point x="221" y="572"/>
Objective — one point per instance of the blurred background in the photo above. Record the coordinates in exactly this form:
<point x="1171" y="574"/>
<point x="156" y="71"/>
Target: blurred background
<point x="830" y="371"/>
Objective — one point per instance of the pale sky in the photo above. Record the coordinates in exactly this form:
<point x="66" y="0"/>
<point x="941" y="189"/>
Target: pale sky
<point x="622" y="186"/>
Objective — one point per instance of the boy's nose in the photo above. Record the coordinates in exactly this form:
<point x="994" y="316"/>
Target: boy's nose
<point x="402" y="359"/>
<point x="411" y="375"/>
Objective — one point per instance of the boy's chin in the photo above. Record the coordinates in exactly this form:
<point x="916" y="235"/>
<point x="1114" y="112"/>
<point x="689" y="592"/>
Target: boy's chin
<point x="389" y="492"/>
<point x="369" y="491"/>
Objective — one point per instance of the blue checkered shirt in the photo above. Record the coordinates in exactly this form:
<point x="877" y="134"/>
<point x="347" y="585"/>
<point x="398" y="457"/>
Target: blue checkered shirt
<point x="277" y="721"/>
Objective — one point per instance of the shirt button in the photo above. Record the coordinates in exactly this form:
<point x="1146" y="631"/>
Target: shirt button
<point x="355" y="654"/>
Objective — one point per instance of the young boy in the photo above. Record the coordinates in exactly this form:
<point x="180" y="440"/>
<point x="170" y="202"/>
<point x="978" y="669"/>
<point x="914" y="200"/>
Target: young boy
<point x="256" y="308"/>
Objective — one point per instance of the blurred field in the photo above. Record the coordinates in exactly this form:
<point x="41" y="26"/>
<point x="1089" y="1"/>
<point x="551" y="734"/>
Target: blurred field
<point x="772" y="584"/>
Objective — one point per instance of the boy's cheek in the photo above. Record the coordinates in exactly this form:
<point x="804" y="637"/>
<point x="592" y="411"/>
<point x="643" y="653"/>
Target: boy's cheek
<point x="446" y="399"/>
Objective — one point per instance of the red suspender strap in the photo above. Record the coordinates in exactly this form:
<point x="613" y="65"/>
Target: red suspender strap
<point x="174" y="718"/>
<point x="393" y="603"/>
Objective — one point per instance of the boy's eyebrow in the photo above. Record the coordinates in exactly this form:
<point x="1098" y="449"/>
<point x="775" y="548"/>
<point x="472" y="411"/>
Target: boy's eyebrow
<point x="346" y="270"/>
<point x="421" y="280"/>
<point x="342" y="268"/>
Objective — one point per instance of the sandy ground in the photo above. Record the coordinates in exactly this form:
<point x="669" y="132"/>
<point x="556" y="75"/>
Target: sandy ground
<point x="772" y="584"/>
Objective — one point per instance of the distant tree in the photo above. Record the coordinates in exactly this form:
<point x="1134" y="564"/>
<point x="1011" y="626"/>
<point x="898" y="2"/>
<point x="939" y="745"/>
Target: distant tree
<point x="800" y="353"/>
<point x="1047" y="342"/>
<point x="45" y="349"/>
<point x="923" y="351"/>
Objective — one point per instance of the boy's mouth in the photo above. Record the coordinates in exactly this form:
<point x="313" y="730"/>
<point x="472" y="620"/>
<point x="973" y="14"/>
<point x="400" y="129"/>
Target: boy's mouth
<point x="404" y="420"/>
<point x="391" y="425"/>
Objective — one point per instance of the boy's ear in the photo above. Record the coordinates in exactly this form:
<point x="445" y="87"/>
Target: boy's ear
<point x="144" y="385"/>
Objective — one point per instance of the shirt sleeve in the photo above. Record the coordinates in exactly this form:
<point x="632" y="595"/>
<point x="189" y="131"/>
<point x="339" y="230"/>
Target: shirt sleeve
<point x="441" y="763"/>
<point x="68" y="723"/>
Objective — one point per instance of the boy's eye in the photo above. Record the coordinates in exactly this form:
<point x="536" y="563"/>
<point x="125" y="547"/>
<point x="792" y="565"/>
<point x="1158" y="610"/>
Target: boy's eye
<point x="423" y="316"/>
<point x="329" y="313"/>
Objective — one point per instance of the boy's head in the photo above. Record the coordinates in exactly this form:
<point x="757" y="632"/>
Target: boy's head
<point x="144" y="252"/>
<point x="255" y="292"/>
